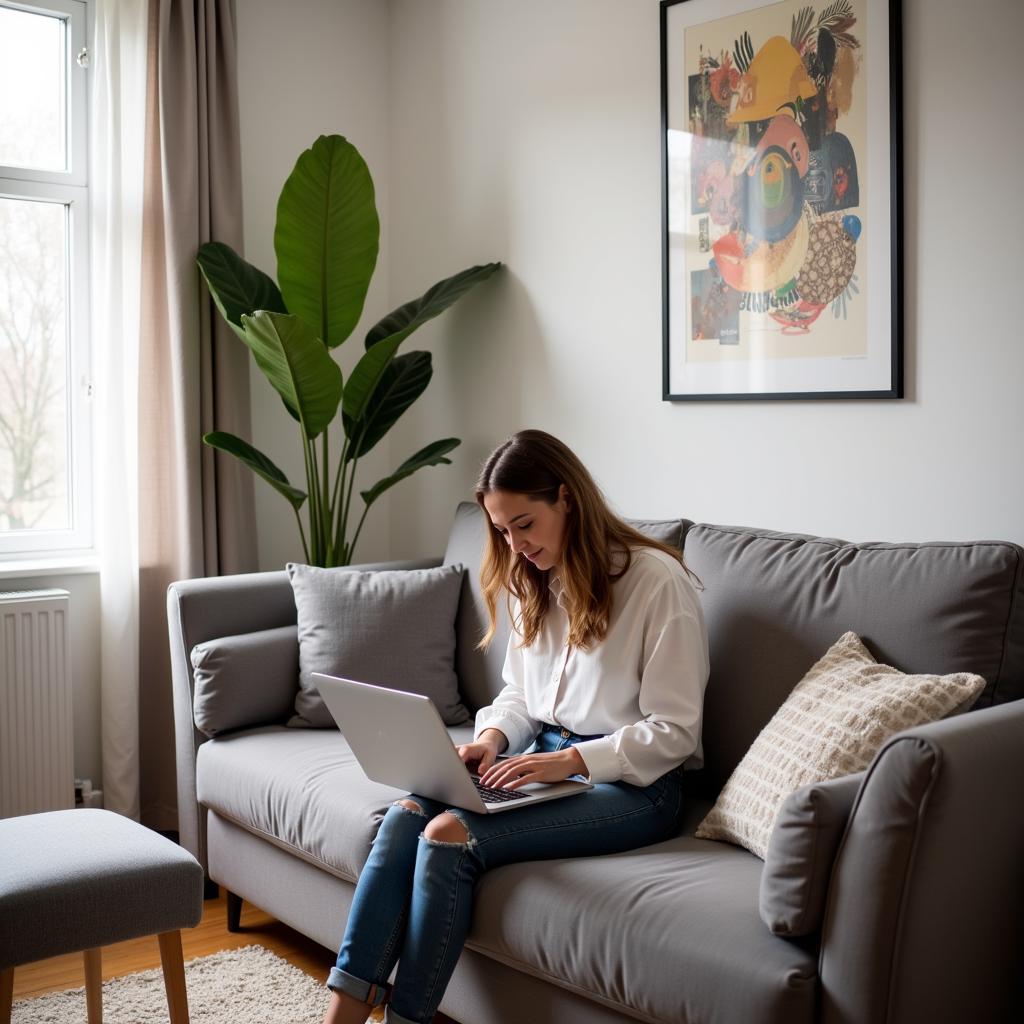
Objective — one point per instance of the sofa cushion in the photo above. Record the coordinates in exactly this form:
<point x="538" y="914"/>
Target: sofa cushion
<point x="479" y="671"/>
<point x="670" y="931"/>
<point x="620" y="928"/>
<point x="801" y="852"/>
<point x="393" y="628"/>
<point x="300" y="789"/>
<point x="774" y="601"/>
<point x="832" y="724"/>
<point x="246" y="680"/>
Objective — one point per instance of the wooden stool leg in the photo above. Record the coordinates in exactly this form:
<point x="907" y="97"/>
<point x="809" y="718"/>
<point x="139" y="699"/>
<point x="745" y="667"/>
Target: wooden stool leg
<point x="174" y="976"/>
<point x="93" y="985"/>
<point x="6" y="994"/>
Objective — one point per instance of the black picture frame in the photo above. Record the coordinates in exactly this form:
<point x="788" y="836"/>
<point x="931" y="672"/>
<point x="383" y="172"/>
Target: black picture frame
<point x="803" y="285"/>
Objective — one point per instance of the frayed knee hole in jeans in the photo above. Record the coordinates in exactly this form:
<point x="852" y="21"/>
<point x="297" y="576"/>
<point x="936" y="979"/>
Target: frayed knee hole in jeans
<point x="411" y="806"/>
<point x="443" y="828"/>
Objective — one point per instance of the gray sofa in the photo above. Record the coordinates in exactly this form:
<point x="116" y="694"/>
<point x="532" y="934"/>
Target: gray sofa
<point x="925" y="898"/>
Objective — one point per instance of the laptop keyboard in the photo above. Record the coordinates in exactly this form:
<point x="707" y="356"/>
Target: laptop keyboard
<point x="490" y="795"/>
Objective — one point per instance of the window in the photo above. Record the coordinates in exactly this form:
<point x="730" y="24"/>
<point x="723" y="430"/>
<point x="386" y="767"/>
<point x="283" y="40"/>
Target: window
<point x="45" y="457"/>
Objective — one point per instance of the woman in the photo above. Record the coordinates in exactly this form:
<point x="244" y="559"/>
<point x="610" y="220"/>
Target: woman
<point x="604" y="679"/>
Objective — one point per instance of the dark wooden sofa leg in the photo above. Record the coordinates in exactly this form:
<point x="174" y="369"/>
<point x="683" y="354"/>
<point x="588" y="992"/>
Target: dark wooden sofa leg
<point x="6" y="993"/>
<point x="234" y="911"/>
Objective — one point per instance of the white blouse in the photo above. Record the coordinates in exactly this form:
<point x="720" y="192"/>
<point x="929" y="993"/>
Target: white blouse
<point x="641" y="689"/>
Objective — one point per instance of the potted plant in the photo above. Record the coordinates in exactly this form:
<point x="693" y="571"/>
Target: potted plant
<point x="326" y="240"/>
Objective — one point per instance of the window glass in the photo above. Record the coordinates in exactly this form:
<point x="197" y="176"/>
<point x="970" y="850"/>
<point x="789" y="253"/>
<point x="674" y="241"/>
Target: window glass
<point x="34" y="479"/>
<point x="33" y="90"/>
<point x="45" y="360"/>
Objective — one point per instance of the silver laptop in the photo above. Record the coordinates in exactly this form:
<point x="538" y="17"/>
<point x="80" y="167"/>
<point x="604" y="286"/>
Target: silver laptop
<point x="399" y="740"/>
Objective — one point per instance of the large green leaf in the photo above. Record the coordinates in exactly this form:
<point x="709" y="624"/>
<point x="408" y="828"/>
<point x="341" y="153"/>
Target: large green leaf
<point x="326" y="238"/>
<point x="257" y="462"/>
<point x="404" y="320"/>
<point x="432" y="455"/>
<point x="296" y="363"/>
<point x="366" y="375"/>
<point x="238" y="288"/>
<point x="403" y="381"/>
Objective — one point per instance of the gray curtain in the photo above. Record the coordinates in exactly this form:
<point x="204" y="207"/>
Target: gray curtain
<point x="196" y="515"/>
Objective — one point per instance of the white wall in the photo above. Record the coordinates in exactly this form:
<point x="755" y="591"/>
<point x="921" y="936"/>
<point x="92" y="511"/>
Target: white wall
<point x="529" y="132"/>
<point x="308" y="68"/>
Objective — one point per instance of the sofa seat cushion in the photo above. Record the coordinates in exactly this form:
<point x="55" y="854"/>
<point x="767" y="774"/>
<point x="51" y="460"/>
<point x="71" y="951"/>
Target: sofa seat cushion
<point x="300" y="789"/>
<point x="670" y="931"/>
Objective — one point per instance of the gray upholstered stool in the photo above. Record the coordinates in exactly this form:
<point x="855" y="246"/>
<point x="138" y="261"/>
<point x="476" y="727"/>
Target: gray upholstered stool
<point x="83" y="879"/>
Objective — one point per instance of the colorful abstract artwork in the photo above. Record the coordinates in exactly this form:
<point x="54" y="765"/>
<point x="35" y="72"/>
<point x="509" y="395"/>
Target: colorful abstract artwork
<point x="781" y="198"/>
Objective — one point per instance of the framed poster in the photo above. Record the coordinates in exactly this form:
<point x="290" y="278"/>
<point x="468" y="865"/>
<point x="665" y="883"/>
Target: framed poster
<point x="781" y="199"/>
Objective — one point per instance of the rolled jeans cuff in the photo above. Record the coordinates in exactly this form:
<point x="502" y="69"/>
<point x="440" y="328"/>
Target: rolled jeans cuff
<point x="365" y="991"/>
<point x="390" y="1017"/>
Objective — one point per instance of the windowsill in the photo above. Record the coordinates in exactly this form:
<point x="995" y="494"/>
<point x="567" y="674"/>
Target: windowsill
<point x="55" y="565"/>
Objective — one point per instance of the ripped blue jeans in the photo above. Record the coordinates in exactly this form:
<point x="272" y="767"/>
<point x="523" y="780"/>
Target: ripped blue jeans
<point x="414" y="900"/>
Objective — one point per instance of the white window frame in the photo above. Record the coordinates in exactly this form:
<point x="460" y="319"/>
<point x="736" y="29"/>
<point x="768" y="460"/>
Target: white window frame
<point x="69" y="188"/>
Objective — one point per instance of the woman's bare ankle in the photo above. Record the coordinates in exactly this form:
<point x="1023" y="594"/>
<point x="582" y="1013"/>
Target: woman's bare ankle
<point x="345" y="1009"/>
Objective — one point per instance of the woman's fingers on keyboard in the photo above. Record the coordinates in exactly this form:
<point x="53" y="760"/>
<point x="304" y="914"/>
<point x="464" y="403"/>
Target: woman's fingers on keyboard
<point x="509" y="773"/>
<point x="528" y="768"/>
<point x="477" y="757"/>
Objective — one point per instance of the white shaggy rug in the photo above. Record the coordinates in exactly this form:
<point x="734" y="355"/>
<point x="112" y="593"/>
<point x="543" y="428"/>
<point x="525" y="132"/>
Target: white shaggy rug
<point x="250" y="985"/>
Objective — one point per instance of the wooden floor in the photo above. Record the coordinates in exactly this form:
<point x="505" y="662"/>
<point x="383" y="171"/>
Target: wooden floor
<point x="210" y="936"/>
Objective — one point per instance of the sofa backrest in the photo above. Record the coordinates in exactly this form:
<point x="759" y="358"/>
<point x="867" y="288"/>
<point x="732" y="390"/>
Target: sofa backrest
<point x="775" y="602"/>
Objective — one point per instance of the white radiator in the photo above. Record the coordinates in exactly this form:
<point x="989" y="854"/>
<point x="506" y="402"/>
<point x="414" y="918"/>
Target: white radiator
<point x="36" y="739"/>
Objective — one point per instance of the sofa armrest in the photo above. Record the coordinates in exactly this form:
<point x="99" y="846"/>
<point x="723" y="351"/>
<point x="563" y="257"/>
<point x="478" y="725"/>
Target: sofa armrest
<point x="922" y="920"/>
<point x="206" y="609"/>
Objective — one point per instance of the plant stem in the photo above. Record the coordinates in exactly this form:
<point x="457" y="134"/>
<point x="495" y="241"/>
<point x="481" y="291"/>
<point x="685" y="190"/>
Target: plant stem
<point x="302" y="534"/>
<point x="336" y="505"/>
<point x="314" y="533"/>
<point x="348" y="502"/>
<point x="359" y="527"/>
<point x="347" y="496"/>
<point x="323" y="541"/>
<point x="326" y="505"/>
<point x="338" y="481"/>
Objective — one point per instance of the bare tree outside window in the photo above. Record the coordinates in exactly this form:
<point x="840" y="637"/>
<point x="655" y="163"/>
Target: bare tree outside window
<point x="33" y="366"/>
<point x="34" y="253"/>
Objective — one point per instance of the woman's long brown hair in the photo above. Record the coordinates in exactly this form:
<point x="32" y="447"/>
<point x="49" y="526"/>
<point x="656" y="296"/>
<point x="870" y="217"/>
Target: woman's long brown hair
<point x="596" y="545"/>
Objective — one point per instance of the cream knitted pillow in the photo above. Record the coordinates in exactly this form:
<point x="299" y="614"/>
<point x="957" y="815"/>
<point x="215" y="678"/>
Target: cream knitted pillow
<point x="832" y="724"/>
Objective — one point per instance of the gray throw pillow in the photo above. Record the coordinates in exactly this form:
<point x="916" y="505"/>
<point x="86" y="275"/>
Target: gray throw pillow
<point x="245" y="680"/>
<point x="801" y="851"/>
<point x="393" y="628"/>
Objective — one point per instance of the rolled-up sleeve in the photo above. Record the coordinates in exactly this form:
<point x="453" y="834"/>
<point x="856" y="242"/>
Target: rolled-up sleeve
<point x="508" y="712"/>
<point x="674" y="676"/>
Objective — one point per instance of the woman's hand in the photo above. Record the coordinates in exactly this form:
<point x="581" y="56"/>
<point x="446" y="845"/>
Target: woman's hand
<point x="526" y="768"/>
<point x="481" y="753"/>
